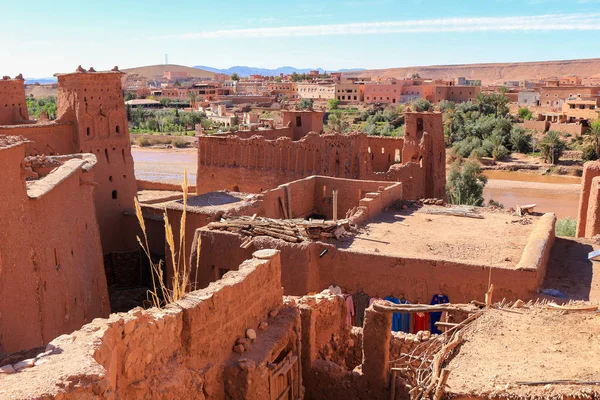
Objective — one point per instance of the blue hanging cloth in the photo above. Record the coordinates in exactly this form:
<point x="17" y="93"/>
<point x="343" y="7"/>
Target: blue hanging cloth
<point x="436" y="316"/>
<point x="395" y="316"/>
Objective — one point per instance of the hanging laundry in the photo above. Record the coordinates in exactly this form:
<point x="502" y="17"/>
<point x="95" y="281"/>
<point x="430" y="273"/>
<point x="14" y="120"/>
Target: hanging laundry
<point x="373" y="300"/>
<point x="335" y="290"/>
<point x="436" y="316"/>
<point x="350" y="309"/>
<point x="361" y="303"/>
<point x="420" y="322"/>
<point x="404" y="318"/>
<point x="395" y="316"/>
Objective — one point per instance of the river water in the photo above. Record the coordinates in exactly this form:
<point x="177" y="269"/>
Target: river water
<point x="551" y="193"/>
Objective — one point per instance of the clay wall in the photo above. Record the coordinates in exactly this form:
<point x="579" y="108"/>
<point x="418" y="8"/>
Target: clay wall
<point x="384" y="152"/>
<point x="13" y="107"/>
<point x="51" y="268"/>
<point x="269" y="134"/>
<point x="573" y="129"/>
<point x="183" y="351"/>
<point x="254" y="165"/>
<point x="93" y="102"/>
<point x="588" y="217"/>
<point x="45" y="138"/>
<point x="537" y="125"/>
<point x="303" y="122"/>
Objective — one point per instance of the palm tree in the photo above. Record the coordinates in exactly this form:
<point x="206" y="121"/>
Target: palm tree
<point x="336" y="122"/>
<point x="551" y="147"/>
<point x="593" y="136"/>
<point x="481" y="100"/>
<point x="193" y="97"/>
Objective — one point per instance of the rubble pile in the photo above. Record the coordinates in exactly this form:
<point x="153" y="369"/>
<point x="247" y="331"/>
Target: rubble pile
<point x="290" y="230"/>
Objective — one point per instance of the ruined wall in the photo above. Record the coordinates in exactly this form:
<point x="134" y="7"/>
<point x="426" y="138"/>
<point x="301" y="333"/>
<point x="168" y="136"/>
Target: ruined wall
<point x="183" y="351"/>
<point x="13" y="107"/>
<point x="384" y="152"/>
<point x="303" y="122"/>
<point x="51" y="272"/>
<point x="588" y="217"/>
<point x="424" y="143"/>
<point x="256" y="164"/>
<point x="48" y="138"/>
<point x="269" y="134"/>
<point x="93" y="102"/>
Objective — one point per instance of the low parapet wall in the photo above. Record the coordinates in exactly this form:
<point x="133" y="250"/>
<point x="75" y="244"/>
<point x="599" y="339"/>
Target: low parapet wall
<point x="307" y="267"/>
<point x="179" y="352"/>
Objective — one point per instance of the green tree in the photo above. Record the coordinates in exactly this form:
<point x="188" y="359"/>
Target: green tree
<point x="465" y="183"/>
<point x="130" y="96"/>
<point x="593" y="136"/>
<point x="551" y="147"/>
<point x="416" y="76"/>
<point x="193" y="96"/>
<point x="525" y="113"/>
<point x="165" y="101"/>
<point x="337" y="123"/>
<point x="334" y="104"/>
<point x="421" y="105"/>
<point x="235" y="77"/>
<point x="519" y="140"/>
<point x="303" y="104"/>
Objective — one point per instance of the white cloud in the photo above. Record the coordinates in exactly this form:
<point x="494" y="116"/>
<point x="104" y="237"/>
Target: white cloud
<point x="547" y="22"/>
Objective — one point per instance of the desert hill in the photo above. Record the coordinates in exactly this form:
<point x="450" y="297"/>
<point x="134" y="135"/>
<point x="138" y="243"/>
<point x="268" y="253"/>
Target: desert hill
<point x="157" y="71"/>
<point x="498" y="73"/>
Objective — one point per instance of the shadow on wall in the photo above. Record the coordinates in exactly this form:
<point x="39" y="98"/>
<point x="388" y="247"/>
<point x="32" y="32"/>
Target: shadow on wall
<point x="568" y="269"/>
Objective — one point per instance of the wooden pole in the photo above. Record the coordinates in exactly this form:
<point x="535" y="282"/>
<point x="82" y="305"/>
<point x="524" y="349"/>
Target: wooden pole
<point x="335" y="193"/>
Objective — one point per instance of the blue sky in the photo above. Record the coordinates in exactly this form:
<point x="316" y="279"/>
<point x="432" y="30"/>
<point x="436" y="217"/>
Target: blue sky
<point x="38" y="38"/>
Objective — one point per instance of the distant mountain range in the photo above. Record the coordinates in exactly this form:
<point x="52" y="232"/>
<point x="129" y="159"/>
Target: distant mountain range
<point x="41" y="81"/>
<point x="245" y="71"/>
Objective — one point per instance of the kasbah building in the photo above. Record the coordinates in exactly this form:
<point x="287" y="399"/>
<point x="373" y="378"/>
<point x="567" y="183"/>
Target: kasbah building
<point x="317" y="266"/>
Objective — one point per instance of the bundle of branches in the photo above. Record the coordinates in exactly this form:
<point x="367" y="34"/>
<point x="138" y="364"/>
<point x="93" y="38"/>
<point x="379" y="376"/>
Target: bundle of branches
<point x="422" y="369"/>
<point x="290" y="230"/>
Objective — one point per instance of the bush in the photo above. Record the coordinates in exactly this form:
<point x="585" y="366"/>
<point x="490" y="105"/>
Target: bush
<point x="494" y="203"/>
<point x="465" y="183"/>
<point x="566" y="227"/>
<point x="334" y="104"/>
<point x="142" y="141"/>
<point x="421" y="105"/>
<point x="519" y="140"/>
<point x="589" y="154"/>
<point x="500" y="153"/>
<point x="180" y="144"/>
<point x="304" y="104"/>
<point x="524" y="113"/>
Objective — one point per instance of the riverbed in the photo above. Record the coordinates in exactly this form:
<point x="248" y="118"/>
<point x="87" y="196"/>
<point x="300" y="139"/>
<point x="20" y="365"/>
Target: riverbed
<point x="551" y="193"/>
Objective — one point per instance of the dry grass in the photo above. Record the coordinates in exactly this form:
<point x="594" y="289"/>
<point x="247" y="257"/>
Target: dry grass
<point x="161" y="294"/>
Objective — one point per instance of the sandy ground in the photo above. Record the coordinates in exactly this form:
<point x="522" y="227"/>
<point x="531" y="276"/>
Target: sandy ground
<point x="498" y="239"/>
<point x="502" y="348"/>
